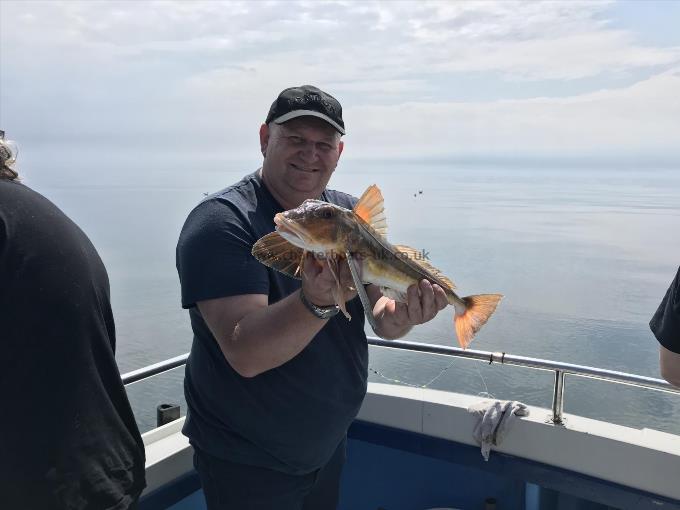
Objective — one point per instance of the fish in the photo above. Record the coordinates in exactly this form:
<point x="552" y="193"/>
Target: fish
<point x="329" y="231"/>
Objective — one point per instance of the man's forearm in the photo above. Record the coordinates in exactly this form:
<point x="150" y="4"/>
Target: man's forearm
<point x="387" y="328"/>
<point x="269" y="337"/>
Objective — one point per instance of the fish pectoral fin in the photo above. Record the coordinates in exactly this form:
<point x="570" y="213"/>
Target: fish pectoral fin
<point x="418" y="258"/>
<point x="361" y="291"/>
<point x="371" y="209"/>
<point x="275" y="252"/>
<point x="338" y="291"/>
<point x="301" y="265"/>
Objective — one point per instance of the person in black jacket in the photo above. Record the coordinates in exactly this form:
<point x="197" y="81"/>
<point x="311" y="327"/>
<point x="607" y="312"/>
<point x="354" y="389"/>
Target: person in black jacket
<point x="68" y="437"/>
<point x="666" y="327"/>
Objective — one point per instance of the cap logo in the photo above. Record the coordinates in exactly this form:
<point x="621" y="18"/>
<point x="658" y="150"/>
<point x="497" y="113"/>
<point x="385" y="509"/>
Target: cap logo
<point x="309" y="97"/>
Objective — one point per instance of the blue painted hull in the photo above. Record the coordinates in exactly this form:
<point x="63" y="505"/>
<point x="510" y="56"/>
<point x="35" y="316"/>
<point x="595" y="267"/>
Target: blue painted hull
<point x="393" y="469"/>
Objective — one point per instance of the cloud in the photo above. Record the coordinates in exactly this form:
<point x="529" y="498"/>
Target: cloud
<point x="158" y="72"/>
<point x="534" y="40"/>
<point x="642" y="117"/>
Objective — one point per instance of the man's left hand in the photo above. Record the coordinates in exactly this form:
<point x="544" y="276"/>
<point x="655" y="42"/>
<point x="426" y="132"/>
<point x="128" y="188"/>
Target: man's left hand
<point x="424" y="301"/>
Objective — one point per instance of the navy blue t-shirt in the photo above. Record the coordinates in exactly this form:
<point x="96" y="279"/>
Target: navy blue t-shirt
<point x="666" y="321"/>
<point x="290" y="418"/>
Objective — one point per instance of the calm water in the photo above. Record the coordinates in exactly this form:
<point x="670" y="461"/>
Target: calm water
<point x="583" y="256"/>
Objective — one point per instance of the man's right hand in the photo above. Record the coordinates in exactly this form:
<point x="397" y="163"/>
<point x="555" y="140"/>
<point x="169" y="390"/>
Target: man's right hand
<point x="319" y="284"/>
<point x="255" y="337"/>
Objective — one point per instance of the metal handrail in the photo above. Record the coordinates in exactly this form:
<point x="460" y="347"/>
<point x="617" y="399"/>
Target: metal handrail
<point x="155" y="369"/>
<point x="560" y="369"/>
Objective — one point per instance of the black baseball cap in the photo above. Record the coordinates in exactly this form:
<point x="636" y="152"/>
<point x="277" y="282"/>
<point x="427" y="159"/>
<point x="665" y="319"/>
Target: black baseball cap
<point x="306" y="100"/>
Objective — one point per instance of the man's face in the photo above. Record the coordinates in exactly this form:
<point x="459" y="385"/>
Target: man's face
<point x="299" y="158"/>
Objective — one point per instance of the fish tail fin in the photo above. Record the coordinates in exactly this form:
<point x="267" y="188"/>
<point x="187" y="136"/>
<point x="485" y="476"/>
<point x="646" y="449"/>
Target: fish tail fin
<point x="477" y="311"/>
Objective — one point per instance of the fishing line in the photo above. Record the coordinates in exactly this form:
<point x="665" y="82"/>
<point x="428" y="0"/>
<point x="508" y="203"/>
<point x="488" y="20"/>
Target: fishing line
<point x="439" y="374"/>
<point x="484" y="393"/>
<point x="393" y="380"/>
<point x="411" y="384"/>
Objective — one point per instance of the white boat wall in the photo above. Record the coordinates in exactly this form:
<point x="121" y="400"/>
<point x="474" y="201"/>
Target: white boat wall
<point x="413" y="448"/>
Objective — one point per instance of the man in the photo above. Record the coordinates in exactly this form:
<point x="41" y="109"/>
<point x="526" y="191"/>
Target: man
<point x="275" y="375"/>
<point x="666" y="327"/>
<point x="68" y="438"/>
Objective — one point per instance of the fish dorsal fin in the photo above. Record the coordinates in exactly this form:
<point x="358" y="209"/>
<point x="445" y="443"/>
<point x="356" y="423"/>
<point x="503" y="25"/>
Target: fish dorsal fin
<point x="275" y="252"/>
<point x="371" y="209"/>
<point x="416" y="257"/>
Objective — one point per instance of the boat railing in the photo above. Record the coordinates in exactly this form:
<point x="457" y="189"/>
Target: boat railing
<point x="559" y="369"/>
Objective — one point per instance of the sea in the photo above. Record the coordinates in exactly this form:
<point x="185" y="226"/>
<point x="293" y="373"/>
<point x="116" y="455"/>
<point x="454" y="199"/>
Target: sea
<point x="583" y="253"/>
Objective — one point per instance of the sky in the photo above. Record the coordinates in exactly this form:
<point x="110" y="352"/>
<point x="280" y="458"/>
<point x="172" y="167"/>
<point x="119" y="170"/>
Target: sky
<point x="475" y="79"/>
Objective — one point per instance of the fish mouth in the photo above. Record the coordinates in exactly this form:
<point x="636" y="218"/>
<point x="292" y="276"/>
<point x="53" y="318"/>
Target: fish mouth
<point x="291" y="231"/>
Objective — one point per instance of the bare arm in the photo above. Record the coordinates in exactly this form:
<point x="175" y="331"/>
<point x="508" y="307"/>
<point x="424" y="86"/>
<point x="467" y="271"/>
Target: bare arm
<point x="670" y="365"/>
<point x="395" y="319"/>
<point x="255" y="337"/>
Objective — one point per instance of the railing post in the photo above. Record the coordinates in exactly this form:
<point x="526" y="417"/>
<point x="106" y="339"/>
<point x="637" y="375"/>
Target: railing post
<point x="558" y="398"/>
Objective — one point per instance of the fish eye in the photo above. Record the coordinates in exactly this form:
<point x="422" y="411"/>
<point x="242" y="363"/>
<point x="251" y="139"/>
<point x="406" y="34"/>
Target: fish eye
<point x="327" y="213"/>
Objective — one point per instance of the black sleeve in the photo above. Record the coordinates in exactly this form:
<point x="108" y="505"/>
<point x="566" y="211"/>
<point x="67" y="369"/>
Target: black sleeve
<point x="214" y="255"/>
<point x="666" y="321"/>
<point x="3" y="234"/>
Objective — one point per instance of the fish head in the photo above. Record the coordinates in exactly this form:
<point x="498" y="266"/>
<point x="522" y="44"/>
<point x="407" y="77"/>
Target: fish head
<point x="316" y="226"/>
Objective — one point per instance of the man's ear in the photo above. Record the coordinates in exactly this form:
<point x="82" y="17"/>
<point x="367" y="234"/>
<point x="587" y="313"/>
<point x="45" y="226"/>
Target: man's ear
<point x="264" y="138"/>
<point x="341" y="146"/>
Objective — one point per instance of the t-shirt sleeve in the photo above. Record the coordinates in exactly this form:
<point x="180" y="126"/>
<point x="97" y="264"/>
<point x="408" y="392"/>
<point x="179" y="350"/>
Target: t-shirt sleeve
<point x="3" y="233"/>
<point x="214" y="255"/>
<point x="666" y="321"/>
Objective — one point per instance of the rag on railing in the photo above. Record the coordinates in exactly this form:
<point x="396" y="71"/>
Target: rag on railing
<point x="495" y="419"/>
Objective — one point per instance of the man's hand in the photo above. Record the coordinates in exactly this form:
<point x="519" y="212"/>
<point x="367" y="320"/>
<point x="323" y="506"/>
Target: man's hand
<point x="319" y="284"/>
<point x="424" y="302"/>
<point x="395" y="319"/>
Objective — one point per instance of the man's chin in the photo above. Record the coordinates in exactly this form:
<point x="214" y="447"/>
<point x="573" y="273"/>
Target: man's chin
<point x="306" y="181"/>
